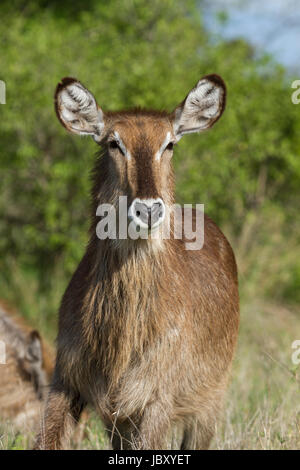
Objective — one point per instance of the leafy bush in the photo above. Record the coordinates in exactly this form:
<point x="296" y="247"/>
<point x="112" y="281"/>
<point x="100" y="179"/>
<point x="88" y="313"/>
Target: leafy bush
<point x="136" y="53"/>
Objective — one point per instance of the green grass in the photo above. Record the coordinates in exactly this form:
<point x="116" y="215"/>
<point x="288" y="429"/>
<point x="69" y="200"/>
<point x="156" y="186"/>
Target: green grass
<point x="262" y="409"/>
<point x="10" y="439"/>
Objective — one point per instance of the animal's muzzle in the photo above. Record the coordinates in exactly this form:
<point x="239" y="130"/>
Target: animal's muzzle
<point x="147" y="213"/>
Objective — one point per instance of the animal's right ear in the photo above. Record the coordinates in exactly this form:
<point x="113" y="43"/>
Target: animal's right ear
<point x="77" y="109"/>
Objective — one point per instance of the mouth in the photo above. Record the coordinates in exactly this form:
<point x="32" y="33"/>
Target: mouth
<point x="146" y="215"/>
<point x="141" y="227"/>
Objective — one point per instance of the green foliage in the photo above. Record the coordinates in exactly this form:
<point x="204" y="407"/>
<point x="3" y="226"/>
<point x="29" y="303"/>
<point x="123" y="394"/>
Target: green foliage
<point x="149" y="54"/>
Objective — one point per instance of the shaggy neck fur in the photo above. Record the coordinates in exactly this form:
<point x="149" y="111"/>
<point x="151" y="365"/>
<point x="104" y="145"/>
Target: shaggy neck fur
<point x="127" y="286"/>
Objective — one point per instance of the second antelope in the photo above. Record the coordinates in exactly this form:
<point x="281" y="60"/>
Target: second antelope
<point x="25" y="373"/>
<point x="147" y="328"/>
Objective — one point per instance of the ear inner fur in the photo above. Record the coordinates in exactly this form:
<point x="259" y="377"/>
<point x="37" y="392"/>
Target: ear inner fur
<point x="75" y="104"/>
<point x="202" y="107"/>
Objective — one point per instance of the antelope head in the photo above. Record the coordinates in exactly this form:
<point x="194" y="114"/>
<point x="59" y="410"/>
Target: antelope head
<point x="139" y="144"/>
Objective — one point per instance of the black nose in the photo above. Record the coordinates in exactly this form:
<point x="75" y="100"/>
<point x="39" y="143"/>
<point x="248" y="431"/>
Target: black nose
<point x="149" y="214"/>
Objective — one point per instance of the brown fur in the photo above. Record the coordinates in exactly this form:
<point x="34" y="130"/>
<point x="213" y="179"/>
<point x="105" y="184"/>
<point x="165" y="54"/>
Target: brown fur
<point x="147" y="330"/>
<point x="24" y="380"/>
<point x="25" y="377"/>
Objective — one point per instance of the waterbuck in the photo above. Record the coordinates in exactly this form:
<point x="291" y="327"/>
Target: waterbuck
<point x="147" y="327"/>
<point x="25" y="371"/>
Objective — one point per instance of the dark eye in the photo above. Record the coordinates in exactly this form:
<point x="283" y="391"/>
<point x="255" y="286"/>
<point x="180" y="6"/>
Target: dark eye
<point x="113" y="144"/>
<point x="170" y="146"/>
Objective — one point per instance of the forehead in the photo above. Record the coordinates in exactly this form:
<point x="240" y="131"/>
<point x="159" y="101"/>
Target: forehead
<point x="137" y="127"/>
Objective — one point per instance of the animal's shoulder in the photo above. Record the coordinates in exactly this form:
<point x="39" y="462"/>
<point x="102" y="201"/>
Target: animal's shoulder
<point x="214" y="247"/>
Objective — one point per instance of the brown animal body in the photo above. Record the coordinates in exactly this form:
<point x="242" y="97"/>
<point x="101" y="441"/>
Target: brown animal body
<point x="25" y="373"/>
<point x="147" y="327"/>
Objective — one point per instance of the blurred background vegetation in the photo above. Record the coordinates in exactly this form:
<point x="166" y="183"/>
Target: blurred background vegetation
<point x="246" y="171"/>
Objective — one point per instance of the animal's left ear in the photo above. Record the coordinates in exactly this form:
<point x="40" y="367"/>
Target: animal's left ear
<point x="202" y="107"/>
<point x="34" y="347"/>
